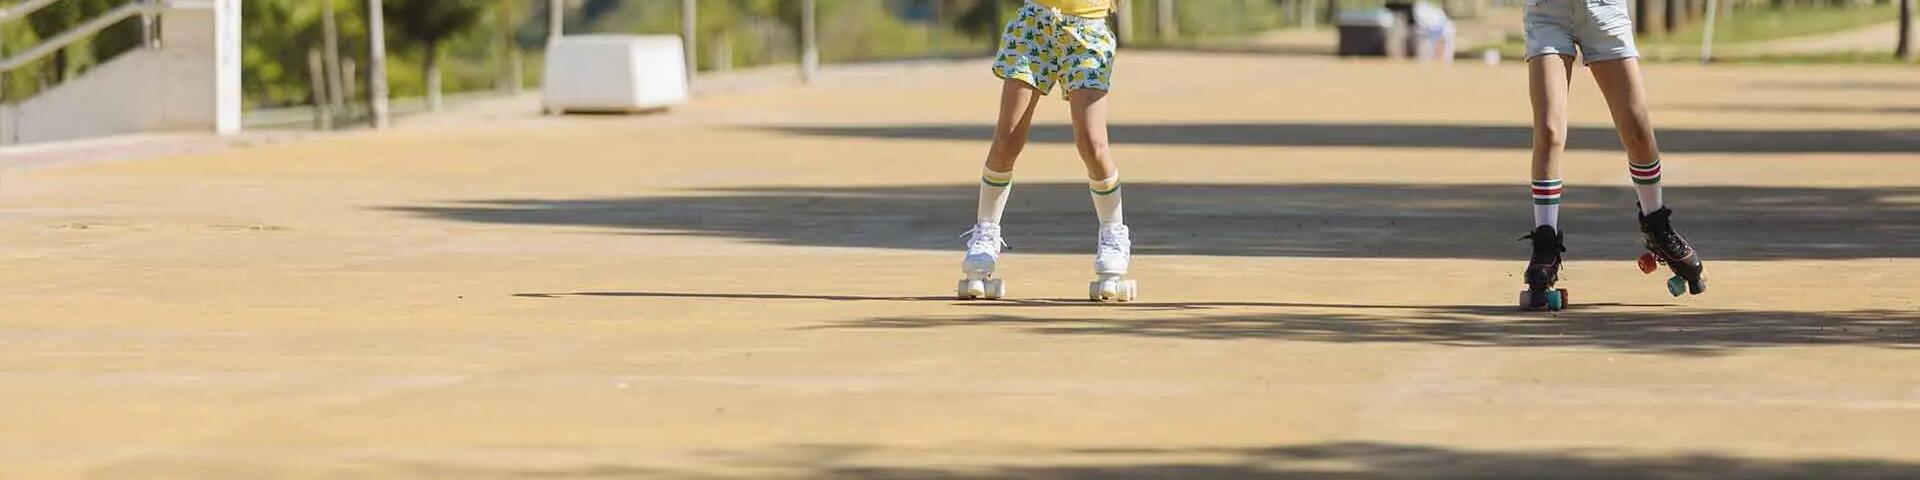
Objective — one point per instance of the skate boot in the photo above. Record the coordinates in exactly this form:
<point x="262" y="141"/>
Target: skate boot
<point x="1543" y="271"/>
<point x="1667" y="246"/>
<point x="1110" y="259"/>
<point x="983" y="255"/>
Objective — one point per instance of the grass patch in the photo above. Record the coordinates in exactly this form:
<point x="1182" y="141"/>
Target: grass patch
<point x="1767" y="23"/>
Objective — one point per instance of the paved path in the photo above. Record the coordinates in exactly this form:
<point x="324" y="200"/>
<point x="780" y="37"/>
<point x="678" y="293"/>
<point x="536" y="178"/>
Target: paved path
<point x="755" y="286"/>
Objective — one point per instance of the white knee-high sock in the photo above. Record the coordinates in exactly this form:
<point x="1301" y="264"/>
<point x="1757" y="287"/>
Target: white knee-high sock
<point x="1546" y="203"/>
<point x="1646" y="185"/>
<point x="1106" y="198"/>
<point x="995" y="187"/>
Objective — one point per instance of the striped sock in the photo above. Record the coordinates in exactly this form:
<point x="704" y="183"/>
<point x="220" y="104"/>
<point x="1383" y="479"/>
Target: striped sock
<point x="1646" y="184"/>
<point x="995" y="187"/>
<point x="1546" y="203"/>
<point x="1106" y="198"/>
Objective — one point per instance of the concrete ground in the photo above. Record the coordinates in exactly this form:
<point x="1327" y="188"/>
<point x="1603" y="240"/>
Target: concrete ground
<point x="757" y="286"/>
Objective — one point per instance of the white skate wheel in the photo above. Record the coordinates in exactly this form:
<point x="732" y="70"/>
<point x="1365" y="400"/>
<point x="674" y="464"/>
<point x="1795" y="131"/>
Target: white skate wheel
<point x="1093" y="290"/>
<point x="996" y="289"/>
<point x="970" y="289"/>
<point x="1128" y="290"/>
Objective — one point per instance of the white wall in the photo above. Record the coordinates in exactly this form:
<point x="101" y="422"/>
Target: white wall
<point x="191" y="83"/>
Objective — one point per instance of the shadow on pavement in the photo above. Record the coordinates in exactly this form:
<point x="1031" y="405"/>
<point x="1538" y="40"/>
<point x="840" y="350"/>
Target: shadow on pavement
<point x="1892" y="86"/>
<point x="1632" y="328"/>
<point x="1318" y="461"/>
<point x="1689" y="332"/>
<point x="1797" y="108"/>
<point x="1358" y="460"/>
<point x="1278" y="220"/>
<point x="1519" y="137"/>
<point x="734" y="296"/>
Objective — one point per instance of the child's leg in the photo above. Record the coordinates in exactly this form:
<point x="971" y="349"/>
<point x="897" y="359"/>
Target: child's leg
<point x="1548" y="77"/>
<point x="1620" y="82"/>
<point x="1017" y="101"/>
<point x="1090" y="135"/>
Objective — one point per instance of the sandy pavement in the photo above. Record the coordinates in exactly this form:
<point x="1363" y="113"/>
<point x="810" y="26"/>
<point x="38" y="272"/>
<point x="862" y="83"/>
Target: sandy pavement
<point x="757" y="286"/>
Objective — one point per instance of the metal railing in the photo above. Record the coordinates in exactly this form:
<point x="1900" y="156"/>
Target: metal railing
<point x="147" y="10"/>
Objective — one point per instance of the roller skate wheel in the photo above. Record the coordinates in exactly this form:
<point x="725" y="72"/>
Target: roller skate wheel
<point x="1697" y="287"/>
<point x="995" y="289"/>
<point x="1647" y="263"/>
<point x="1526" y="300"/>
<point x="1128" y="290"/>
<point x="1110" y="289"/>
<point x="1677" y="286"/>
<point x="970" y="289"/>
<point x="1556" y="299"/>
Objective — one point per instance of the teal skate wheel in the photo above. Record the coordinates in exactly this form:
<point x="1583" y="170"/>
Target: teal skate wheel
<point x="1555" y="300"/>
<point x="1677" y="286"/>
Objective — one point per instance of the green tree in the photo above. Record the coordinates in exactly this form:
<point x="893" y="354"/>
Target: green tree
<point x="427" y="25"/>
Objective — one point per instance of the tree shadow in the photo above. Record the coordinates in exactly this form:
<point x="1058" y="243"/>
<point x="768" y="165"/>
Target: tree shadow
<point x="1318" y="461"/>
<point x="1369" y="460"/>
<point x="1261" y="220"/>
<point x="1892" y="86"/>
<point x="1798" y="108"/>
<point x="1672" y="140"/>
<point x="1692" y="332"/>
<point x="733" y="296"/>
<point x="1360" y="460"/>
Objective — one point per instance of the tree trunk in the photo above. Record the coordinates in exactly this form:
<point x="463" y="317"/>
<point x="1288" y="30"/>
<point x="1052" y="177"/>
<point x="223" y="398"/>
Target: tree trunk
<point x="1904" y="49"/>
<point x="322" y="109"/>
<point x="377" y="64"/>
<point x="434" y="100"/>
<point x="1169" y="26"/>
<point x="1640" y="17"/>
<point x="556" y="19"/>
<point x="330" y="34"/>
<point x="689" y="35"/>
<point x="504" y="58"/>
<point x="1672" y="16"/>
<point x="809" y="41"/>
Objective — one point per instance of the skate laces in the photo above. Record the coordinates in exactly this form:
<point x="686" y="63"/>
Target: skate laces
<point x="984" y="237"/>
<point x="1114" y="240"/>
<point x="1658" y="227"/>
<point x="1546" y="246"/>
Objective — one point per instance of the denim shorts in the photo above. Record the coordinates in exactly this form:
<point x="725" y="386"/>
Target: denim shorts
<point x="1602" y="30"/>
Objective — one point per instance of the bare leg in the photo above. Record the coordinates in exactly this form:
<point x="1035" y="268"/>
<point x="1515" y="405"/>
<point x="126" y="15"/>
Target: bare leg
<point x="1620" y="82"/>
<point x="1017" y="101"/>
<point x="1090" y="132"/>
<point x="1548" y="80"/>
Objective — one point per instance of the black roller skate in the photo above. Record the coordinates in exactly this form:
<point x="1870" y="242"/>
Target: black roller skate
<point x="1543" y="271"/>
<point x="1668" y="247"/>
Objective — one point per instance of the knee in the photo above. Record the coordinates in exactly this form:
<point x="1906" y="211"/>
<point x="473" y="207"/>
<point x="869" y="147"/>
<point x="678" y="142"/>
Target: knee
<point x="1549" y="139"/>
<point x="1093" y="148"/>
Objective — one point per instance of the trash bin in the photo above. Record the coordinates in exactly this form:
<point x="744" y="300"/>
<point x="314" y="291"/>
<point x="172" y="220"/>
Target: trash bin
<point x="1364" y="32"/>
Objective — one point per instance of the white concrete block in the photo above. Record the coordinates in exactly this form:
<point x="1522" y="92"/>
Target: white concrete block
<point x="614" y="73"/>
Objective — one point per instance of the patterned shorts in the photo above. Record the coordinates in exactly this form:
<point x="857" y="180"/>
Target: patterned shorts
<point x="1043" y="47"/>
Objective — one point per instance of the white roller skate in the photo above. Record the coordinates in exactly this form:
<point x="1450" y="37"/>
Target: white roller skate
<point x="983" y="255"/>
<point x="1110" y="260"/>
